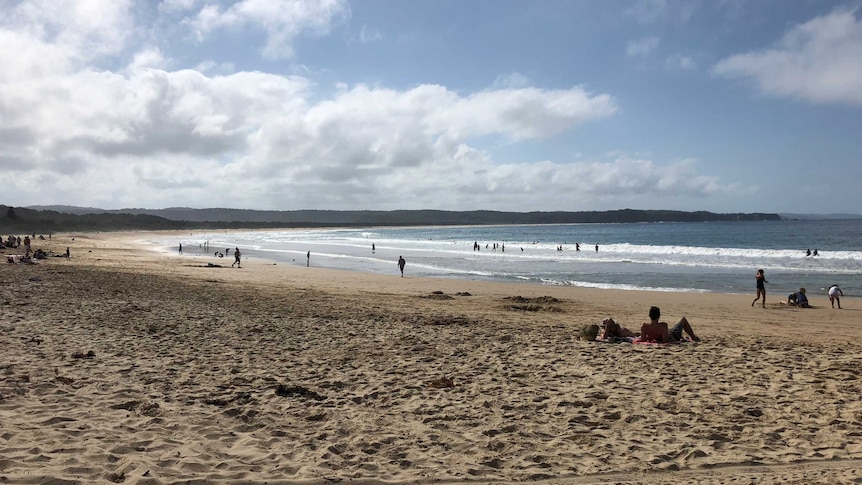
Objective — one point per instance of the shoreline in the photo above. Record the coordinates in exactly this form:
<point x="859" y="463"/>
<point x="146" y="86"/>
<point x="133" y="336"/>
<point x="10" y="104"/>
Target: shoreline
<point x="292" y="255"/>
<point x="129" y="364"/>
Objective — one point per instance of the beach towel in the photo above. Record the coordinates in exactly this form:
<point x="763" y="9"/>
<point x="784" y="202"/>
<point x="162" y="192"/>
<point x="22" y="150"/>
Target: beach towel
<point x="616" y="340"/>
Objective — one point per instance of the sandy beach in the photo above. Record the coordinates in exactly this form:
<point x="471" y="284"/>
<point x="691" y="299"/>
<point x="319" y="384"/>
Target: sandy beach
<point x="123" y="365"/>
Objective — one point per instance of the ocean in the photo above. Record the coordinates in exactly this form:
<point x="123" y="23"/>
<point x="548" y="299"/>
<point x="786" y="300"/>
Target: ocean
<point x="689" y="257"/>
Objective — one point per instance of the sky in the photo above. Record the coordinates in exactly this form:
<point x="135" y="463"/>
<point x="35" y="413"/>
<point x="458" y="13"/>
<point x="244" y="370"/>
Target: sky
<point x="544" y="105"/>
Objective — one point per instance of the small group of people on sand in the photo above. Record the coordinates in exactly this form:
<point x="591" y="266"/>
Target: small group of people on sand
<point x="652" y="331"/>
<point x="800" y="299"/>
<point x="797" y="298"/>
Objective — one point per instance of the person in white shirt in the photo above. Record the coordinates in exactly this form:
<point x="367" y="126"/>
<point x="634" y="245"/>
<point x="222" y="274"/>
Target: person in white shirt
<point x="834" y="293"/>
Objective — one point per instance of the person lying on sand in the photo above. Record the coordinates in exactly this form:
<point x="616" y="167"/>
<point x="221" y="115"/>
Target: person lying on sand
<point x="655" y="331"/>
<point x="613" y="329"/>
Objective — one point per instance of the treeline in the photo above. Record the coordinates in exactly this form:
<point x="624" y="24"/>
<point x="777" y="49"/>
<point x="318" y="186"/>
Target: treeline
<point x="49" y="220"/>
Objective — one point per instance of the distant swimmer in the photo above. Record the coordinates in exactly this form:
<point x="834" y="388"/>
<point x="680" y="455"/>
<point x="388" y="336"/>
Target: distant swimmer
<point x="597" y="248"/>
<point x="373" y="248"/>
<point x="815" y="253"/>
<point x="577" y="246"/>
<point x="808" y="252"/>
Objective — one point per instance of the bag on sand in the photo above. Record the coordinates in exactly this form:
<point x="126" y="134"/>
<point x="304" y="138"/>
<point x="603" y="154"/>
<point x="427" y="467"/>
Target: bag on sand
<point x="589" y="332"/>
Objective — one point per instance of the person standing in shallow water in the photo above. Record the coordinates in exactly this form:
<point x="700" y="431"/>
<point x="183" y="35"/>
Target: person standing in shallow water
<point x="401" y="264"/>
<point x="760" y="279"/>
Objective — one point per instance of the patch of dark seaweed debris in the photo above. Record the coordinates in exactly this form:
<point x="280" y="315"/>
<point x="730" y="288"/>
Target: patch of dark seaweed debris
<point x="536" y="300"/>
<point x="297" y="391"/>
<point x="448" y="320"/>
<point x="442" y="382"/>
<point x="537" y="304"/>
<point x="532" y="308"/>
<point x="437" y="295"/>
<point x="81" y="355"/>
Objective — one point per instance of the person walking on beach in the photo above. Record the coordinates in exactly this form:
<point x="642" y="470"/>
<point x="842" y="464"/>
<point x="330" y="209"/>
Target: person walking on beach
<point x="761" y="281"/>
<point x="236" y="258"/>
<point x="401" y="264"/>
<point x="834" y="292"/>
<point x="308" y="259"/>
<point x="181" y="248"/>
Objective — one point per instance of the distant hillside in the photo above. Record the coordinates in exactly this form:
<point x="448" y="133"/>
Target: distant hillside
<point x="820" y="216"/>
<point x="44" y="219"/>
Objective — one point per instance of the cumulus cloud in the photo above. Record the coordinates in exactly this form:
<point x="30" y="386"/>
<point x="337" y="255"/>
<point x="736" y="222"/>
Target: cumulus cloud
<point x="151" y="135"/>
<point x="282" y="20"/>
<point x="57" y="36"/>
<point x="174" y="6"/>
<point x="818" y="61"/>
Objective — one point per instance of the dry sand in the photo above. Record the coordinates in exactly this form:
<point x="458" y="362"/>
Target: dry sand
<point x="128" y="366"/>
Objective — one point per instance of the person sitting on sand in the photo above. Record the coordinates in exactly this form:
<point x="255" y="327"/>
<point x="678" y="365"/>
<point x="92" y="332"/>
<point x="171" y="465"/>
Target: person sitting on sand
<point x="655" y="331"/>
<point x="613" y="329"/>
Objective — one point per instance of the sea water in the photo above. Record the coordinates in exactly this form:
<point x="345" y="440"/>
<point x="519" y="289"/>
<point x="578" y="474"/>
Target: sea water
<point x="690" y="257"/>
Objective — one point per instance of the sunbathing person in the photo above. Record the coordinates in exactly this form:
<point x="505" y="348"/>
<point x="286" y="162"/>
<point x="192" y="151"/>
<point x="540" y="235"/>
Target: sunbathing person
<point x="655" y="331"/>
<point x="613" y="329"/>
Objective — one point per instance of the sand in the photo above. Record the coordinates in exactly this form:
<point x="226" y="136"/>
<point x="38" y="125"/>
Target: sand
<point x="128" y="366"/>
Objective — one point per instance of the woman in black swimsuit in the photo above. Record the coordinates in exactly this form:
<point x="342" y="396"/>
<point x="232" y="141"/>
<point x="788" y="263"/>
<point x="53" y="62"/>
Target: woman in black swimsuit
<point x="761" y="287"/>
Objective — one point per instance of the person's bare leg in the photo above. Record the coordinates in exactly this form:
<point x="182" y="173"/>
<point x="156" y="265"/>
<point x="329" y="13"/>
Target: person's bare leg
<point x="686" y="327"/>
